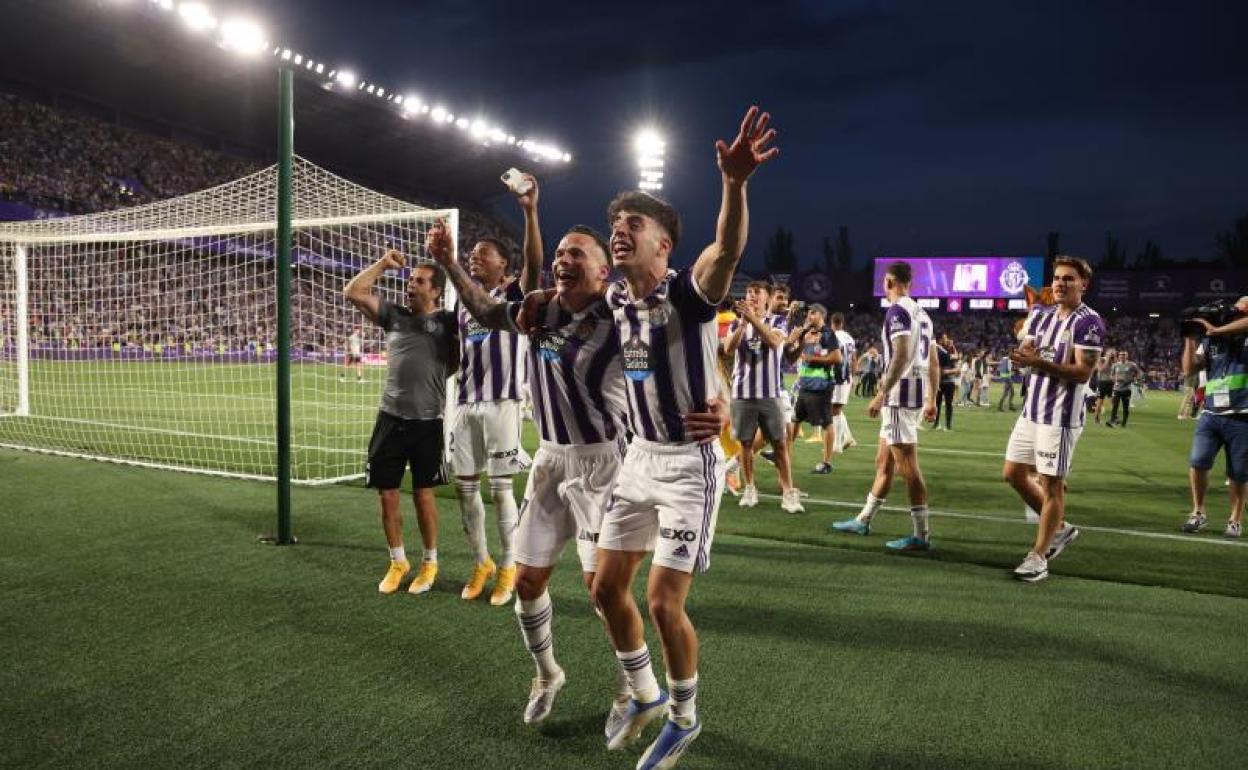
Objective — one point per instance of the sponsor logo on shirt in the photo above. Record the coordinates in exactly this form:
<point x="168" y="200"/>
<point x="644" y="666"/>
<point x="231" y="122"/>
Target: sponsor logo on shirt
<point x="638" y="361"/>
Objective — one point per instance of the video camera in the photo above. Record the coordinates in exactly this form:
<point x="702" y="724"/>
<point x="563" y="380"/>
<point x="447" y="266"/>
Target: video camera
<point x="1219" y="313"/>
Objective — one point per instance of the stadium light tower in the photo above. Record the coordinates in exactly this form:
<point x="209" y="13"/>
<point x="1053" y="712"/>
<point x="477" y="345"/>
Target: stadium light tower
<point x="243" y="36"/>
<point x="197" y="16"/>
<point x="650" y="149"/>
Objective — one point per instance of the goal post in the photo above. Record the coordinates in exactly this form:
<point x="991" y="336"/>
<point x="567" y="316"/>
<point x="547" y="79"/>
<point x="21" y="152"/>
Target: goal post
<point x="148" y="335"/>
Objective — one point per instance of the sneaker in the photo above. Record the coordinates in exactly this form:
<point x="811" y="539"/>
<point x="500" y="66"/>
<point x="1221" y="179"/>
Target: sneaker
<point x="853" y="527"/>
<point x="394" y="575"/>
<point x="1033" y="569"/>
<point x="822" y="468"/>
<point x="1233" y="529"/>
<point x="791" y="501"/>
<point x="504" y="587"/>
<point x="1195" y="523"/>
<point x="909" y="543"/>
<point x="733" y="482"/>
<point x="1062" y="538"/>
<point x="481" y="572"/>
<point x="666" y="750"/>
<point x="636" y="717"/>
<point x="769" y="455"/>
<point x="617" y="714"/>
<point x="749" y="496"/>
<point x="542" y="697"/>
<point x="850" y="444"/>
<point x="424" y="578"/>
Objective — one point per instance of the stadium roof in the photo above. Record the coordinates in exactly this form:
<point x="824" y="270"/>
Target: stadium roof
<point x="157" y="78"/>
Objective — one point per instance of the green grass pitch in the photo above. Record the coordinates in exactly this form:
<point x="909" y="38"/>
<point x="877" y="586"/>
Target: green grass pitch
<point x="143" y="626"/>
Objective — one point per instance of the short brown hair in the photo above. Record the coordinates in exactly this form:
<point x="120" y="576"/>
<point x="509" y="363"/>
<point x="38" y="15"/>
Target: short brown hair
<point x="1080" y="266"/>
<point x="643" y="203"/>
<point x="760" y="284"/>
<point x="901" y="271"/>
<point x="837" y="319"/>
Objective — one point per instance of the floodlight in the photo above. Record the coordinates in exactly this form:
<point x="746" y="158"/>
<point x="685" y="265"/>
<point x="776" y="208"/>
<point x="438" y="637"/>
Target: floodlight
<point x="285" y="54"/>
<point x="371" y="88"/>
<point x="439" y="113"/>
<point x="381" y="92"/>
<point x="479" y="129"/>
<point x="462" y="123"/>
<point x="567" y="157"/>
<point x="346" y="78"/>
<point x="320" y="69"/>
<point x="298" y="59"/>
<point x="243" y="36"/>
<point x="197" y="16"/>
<point x="648" y="142"/>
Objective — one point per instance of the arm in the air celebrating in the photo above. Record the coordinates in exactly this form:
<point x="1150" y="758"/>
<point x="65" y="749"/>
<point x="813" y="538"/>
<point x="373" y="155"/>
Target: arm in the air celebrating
<point x="489" y="312"/>
<point x="359" y="290"/>
<point x="531" y="271"/>
<point x="713" y="271"/>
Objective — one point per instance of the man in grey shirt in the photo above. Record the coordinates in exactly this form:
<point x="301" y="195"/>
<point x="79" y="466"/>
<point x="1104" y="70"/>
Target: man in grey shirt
<point x="422" y="351"/>
<point x="1123" y="373"/>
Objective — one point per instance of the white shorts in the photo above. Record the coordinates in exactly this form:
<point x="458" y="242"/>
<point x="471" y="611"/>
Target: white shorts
<point x="486" y="439"/>
<point x="667" y="500"/>
<point x="786" y="401"/>
<point x="899" y="425"/>
<point x="1050" y="448"/>
<point x="840" y="393"/>
<point x="567" y="494"/>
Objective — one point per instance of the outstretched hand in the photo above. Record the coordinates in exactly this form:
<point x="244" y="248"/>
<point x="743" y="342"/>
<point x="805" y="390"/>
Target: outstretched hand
<point x="749" y="149"/>
<point x="439" y="244"/>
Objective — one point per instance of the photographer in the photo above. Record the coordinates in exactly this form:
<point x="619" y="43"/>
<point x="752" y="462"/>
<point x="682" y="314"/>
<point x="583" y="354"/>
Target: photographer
<point x="1222" y="350"/>
<point x="820" y="351"/>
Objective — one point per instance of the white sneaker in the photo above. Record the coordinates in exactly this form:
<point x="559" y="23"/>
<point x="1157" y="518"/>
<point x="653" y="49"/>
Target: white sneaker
<point x="791" y="501"/>
<point x="1062" y="538"/>
<point x="749" y="496"/>
<point x="1033" y="569"/>
<point x="542" y="697"/>
<point x="617" y="714"/>
<point x="1233" y="529"/>
<point x="1195" y="523"/>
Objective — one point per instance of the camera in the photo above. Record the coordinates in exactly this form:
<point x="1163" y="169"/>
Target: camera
<point x="799" y="311"/>
<point x="515" y="181"/>
<point x="1219" y="313"/>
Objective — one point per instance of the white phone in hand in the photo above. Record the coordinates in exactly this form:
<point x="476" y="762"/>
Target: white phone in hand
<point x="515" y="181"/>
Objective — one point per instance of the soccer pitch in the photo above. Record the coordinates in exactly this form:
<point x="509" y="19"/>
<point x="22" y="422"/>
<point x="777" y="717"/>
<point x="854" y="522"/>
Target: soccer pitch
<point x="144" y="626"/>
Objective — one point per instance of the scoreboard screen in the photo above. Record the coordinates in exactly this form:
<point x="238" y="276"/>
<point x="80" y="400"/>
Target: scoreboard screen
<point x="967" y="277"/>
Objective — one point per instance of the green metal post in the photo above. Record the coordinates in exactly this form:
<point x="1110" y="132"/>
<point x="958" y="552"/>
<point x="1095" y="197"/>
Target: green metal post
<point x="286" y="142"/>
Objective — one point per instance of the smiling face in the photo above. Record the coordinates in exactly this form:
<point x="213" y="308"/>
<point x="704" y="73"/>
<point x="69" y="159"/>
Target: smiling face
<point x="423" y="293"/>
<point x="487" y="264"/>
<point x="758" y="297"/>
<point x="639" y="244"/>
<point x="779" y="301"/>
<point x="580" y="265"/>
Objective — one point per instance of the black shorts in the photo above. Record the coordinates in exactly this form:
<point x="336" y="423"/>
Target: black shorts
<point x="1105" y="389"/>
<point x="814" y="407"/>
<point x="395" y="444"/>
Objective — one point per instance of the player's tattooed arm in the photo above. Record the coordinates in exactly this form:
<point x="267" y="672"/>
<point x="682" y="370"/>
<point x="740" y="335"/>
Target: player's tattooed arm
<point x="489" y="312"/>
<point x="716" y="264"/>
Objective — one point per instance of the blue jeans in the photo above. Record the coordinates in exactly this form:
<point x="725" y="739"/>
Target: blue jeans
<point x="1215" y="431"/>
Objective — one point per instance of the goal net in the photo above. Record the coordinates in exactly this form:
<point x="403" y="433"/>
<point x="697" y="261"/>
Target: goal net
<point x="148" y="335"/>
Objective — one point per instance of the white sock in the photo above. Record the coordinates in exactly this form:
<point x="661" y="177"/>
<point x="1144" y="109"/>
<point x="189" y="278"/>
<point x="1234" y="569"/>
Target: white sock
<point x="534" y="616"/>
<point x="398" y="554"/>
<point x="622" y="690"/>
<point x="870" y="509"/>
<point x="918" y="517"/>
<point x="684" y="692"/>
<point x="843" y="434"/>
<point x="1030" y="514"/>
<point x="640" y="674"/>
<point x="505" y="508"/>
<point x="431" y="555"/>
<point x="472" y="510"/>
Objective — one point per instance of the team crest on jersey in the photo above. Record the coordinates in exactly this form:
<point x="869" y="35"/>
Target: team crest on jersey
<point x="1014" y="278"/>
<point x="1066" y="336"/>
<point x="638" y="360"/>
<point x="658" y="315"/>
<point x="585" y="329"/>
<point x="755" y="346"/>
<point x="550" y="346"/>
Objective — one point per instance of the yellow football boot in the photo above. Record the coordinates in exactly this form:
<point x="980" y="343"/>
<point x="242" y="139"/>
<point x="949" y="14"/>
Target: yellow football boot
<point x="394" y="575"/>
<point x="482" y="572"/>
<point x="504" y="586"/>
<point x="424" y="578"/>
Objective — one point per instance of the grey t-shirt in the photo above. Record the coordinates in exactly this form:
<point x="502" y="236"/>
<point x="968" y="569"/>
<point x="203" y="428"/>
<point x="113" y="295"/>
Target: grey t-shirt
<point x="1123" y="374"/>
<point x="421" y="352"/>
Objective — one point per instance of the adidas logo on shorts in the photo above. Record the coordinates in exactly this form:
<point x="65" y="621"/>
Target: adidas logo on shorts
<point x="681" y="552"/>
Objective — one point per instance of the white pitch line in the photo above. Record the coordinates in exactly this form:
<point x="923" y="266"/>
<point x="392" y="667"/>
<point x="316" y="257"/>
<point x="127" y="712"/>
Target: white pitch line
<point x="1020" y="520"/>
<point x="189" y="434"/>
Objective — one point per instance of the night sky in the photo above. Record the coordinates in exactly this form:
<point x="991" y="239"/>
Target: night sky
<point x="926" y="128"/>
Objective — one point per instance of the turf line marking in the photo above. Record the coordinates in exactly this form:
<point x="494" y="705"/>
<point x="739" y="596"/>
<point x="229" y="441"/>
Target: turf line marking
<point x="189" y="434"/>
<point x="1020" y="520"/>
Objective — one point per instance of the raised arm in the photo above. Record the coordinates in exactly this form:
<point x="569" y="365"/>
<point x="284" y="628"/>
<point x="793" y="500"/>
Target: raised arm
<point x="489" y="312"/>
<point x="531" y="270"/>
<point x="715" y="266"/>
<point x="359" y="290"/>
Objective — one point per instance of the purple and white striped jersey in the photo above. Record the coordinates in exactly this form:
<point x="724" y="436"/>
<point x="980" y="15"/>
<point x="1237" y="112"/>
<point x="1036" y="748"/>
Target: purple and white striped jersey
<point x="905" y="318"/>
<point x="491" y="363"/>
<point x="669" y="344"/>
<point x="1053" y="400"/>
<point x="756" y="365"/>
<point x="849" y="354"/>
<point x="575" y="376"/>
